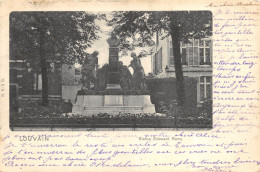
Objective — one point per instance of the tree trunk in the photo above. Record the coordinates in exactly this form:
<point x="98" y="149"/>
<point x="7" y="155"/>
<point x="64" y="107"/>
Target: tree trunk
<point x="177" y="64"/>
<point x="43" y="64"/>
<point x="44" y="82"/>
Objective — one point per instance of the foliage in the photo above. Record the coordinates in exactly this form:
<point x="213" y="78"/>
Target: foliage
<point x="59" y="36"/>
<point x="170" y="108"/>
<point x="27" y="108"/>
<point x="32" y="114"/>
<point x="206" y="109"/>
<point x="42" y="38"/>
<point x="138" y="28"/>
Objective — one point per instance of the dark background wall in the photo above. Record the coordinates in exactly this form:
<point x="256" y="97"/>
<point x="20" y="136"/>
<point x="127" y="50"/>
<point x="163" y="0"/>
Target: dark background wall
<point x="164" y="89"/>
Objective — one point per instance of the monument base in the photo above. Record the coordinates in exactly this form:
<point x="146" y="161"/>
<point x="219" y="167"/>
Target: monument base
<point x="113" y="87"/>
<point x="88" y="105"/>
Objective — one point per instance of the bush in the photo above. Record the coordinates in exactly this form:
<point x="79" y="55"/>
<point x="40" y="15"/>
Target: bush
<point x="206" y="109"/>
<point x="170" y="108"/>
<point x="27" y="108"/>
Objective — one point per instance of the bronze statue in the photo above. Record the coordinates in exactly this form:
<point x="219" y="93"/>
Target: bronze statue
<point x="102" y="75"/>
<point x="125" y="76"/>
<point x="138" y="76"/>
<point x="88" y="71"/>
<point x="113" y="41"/>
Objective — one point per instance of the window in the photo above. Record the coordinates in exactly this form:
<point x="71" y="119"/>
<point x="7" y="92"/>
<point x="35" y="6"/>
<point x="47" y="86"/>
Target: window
<point x="204" y="52"/>
<point x="205" y="88"/>
<point x="171" y="54"/>
<point x="182" y="51"/>
<point x="77" y="71"/>
<point x="158" y="62"/>
<point x="192" y="52"/>
<point x="154" y="63"/>
<point x="196" y="42"/>
<point x="196" y="52"/>
<point x="183" y="54"/>
<point x="37" y="83"/>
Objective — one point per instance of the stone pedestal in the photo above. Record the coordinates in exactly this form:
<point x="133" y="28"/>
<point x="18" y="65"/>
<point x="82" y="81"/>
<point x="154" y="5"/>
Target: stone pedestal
<point x="88" y="105"/>
<point x="113" y="87"/>
<point x="113" y="73"/>
<point x="113" y="100"/>
<point x="113" y="104"/>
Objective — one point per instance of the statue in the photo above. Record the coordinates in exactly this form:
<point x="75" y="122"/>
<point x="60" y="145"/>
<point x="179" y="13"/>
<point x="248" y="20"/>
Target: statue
<point x="102" y="74"/>
<point x="113" y="41"/>
<point x="88" y="71"/>
<point x="138" y="76"/>
<point x="125" y="76"/>
<point x="113" y="72"/>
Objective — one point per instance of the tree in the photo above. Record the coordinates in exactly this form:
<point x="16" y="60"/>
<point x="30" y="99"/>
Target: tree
<point x="41" y="38"/>
<point x="141" y="26"/>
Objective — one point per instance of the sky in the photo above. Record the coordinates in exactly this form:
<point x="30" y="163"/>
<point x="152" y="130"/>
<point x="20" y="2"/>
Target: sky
<point x="102" y="47"/>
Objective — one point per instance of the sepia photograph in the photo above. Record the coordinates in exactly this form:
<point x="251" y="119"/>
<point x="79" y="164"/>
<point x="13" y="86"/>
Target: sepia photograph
<point x="111" y="70"/>
<point x="129" y="85"/>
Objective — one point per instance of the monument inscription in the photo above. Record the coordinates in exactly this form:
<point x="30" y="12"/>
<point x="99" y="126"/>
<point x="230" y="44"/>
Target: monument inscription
<point x="113" y="74"/>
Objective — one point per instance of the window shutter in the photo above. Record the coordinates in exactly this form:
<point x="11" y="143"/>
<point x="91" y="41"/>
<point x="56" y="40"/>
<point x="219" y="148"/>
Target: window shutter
<point x="171" y="57"/>
<point x="156" y="63"/>
<point x="39" y="81"/>
<point x="196" y="56"/>
<point x="35" y="81"/>
<point x="198" y="89"/>
<point x="160" y="59"/>
<point x="190" y="53"/>
<point x="184" y="56"/>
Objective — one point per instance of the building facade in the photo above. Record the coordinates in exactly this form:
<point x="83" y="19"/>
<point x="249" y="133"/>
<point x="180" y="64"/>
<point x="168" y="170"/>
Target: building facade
<point x="196" y="58"/>
<point x="71" y="82"/>
<point x="26" y="82"/>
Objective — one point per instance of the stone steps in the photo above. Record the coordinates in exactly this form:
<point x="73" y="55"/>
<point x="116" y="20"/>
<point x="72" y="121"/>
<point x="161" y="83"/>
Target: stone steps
<point x="112" y="109"/>
<point x="112" y="104"/>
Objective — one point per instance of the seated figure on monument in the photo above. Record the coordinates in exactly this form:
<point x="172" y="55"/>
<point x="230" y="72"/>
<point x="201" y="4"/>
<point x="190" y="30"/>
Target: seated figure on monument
<point x="138" y="75"/>
<point x="125" y="76"/>
<point x="88" y="71"/>
<point x="102" y="74"/>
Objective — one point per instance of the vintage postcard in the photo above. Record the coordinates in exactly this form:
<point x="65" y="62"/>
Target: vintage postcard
<point x="84" y="69"/>
<point x="129" y="85"/>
